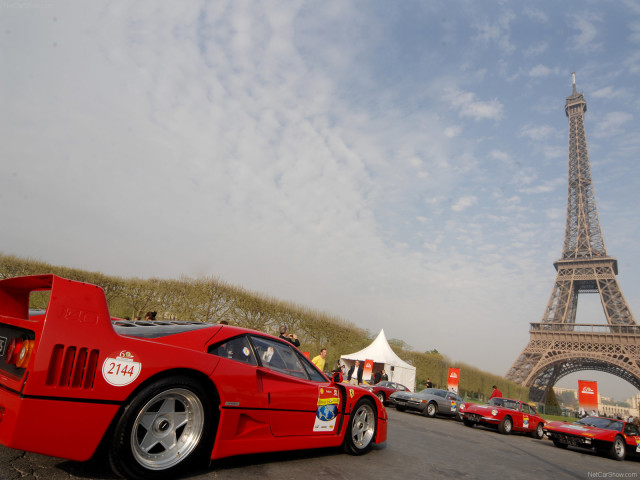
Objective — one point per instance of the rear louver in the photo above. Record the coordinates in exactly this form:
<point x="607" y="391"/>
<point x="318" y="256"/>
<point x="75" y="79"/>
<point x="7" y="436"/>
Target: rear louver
<point x="72" y="367"/>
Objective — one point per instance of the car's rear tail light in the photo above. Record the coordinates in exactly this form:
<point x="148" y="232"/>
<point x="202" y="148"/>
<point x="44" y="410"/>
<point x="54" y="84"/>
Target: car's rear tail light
<point x="11" y="354"/>
<point x="24" y="354"/>
<point x="18" y="352"/>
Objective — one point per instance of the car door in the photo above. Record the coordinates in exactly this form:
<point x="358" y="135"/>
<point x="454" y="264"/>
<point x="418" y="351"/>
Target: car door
<point x="522" y="418"/>
<point x="236" y="375"/>
<point x="632" y="437"/>
<point x="301" y="401"/>
<point x="455" y="401"/>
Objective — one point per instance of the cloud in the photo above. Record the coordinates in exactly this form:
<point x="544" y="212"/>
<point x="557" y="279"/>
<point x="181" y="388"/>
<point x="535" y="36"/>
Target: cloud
<point x="609" y="93"/>
<point x="634" y="36"/>
<point x="537" y="133"/>
<point x="536" y="14"/>
<point x="613" y="123"/>
<point x="497" y="32"/>
<point x="468" y="106"/>
<point x="585" y="23"/>
<point x="536" y="50"/>
<point x="452" y="131"/>
<point x="464" y="202"/>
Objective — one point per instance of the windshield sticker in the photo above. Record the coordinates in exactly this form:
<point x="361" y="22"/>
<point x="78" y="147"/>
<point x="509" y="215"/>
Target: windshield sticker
<point x="121" y="368"/>
<point x="327" y="411"/>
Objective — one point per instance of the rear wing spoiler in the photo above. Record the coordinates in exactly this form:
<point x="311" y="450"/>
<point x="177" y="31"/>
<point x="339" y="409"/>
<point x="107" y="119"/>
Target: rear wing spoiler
<point x="14" y="294"/>
<point x="74" y="301"/>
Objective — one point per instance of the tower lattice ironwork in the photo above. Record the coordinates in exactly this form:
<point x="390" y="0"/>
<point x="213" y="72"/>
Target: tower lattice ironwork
<point x="558" y="345"/>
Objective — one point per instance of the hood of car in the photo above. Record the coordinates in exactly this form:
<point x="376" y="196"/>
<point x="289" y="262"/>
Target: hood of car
<point x="401" y="395"/>
<point x="581" y="430"/>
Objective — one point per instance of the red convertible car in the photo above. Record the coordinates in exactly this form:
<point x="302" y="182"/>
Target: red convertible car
<point x="161" y="396"/>
<point x="616" y="438"/>
<point x="506" y="415"/>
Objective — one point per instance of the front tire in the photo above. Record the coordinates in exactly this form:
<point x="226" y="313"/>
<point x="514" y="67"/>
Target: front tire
<point x="164" y="429"/>
<point x="559" y="444"/>
<point x="468" y="423"/>
<point x="399" y="408"/>
<point x="380" y="396"/>
<point x="505" y="426"/>
<point x="618" y="449"/>
<point x="431" y="410"/>
<point x="538" y="433"/>
<point x="362" y="429"/>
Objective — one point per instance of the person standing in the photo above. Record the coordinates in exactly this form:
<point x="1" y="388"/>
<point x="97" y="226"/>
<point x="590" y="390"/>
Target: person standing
<point x="355" y="374"/>
<point x="428" y="384"/>
<point x="289" y="337"/>
<point x="359" y="374"/>
<point x="319" y="360"/>
<point x="495" y="393"/>
<point x="384" y="377"/>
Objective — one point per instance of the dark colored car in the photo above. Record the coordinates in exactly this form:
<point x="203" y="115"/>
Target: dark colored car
<point x="430" y="402"/>
<point x="383" y="390"/>
<point x="607" y="436"/>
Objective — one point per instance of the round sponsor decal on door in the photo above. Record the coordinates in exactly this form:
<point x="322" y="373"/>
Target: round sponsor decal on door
<point x="121" y="368"/>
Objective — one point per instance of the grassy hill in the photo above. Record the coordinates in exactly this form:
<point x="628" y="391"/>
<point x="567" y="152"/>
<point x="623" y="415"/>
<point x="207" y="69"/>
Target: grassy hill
<point x="210" y="299"/>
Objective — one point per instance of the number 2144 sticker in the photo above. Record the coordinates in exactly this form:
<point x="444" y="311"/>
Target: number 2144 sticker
<point x="121" y="368"/>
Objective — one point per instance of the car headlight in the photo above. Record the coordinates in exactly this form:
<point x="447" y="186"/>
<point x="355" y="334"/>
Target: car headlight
<point x="494" y="412"/>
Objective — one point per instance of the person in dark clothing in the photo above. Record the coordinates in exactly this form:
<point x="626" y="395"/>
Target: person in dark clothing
<point x="377" y="378"/>
<point x="429" y="384"/>
<point x="289" y="337"/>
<point x="357" y="370"/>
<point x="384" y="377"/>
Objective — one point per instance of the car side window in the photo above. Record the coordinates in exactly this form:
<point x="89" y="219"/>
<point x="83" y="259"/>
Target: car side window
<point x="525" y="408"/>
<point x="279" y="357"/>
<point x="631" y="429"/>
<point x="237" y="348"/>
<point x="313" y="373"/>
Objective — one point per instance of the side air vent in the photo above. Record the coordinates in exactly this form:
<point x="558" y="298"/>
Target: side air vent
<point x="73" y="367"/>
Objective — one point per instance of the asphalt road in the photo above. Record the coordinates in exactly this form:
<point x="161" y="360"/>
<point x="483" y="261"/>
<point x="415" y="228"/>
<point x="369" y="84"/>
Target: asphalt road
<point x="417" y="448"/>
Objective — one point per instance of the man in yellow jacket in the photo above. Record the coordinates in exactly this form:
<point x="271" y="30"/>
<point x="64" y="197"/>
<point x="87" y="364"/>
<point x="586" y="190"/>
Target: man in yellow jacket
<point x="319" y="360"/>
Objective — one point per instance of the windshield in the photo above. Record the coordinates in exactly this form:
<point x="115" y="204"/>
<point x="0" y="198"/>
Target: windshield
<point x="505" y="403"/>
<point x="599" y="422"/>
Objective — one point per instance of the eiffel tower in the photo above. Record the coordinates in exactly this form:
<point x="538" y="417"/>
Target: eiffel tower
<point x="558" y="345"/>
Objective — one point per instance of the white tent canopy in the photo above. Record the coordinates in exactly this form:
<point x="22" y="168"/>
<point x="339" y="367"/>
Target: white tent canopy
<point x="383" y="358"/>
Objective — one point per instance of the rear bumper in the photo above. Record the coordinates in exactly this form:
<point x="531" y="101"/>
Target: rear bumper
<point x="59" y="428"/>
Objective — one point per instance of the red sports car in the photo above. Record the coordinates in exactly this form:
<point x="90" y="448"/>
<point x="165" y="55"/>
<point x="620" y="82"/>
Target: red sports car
<point x="506" y="415"/>
<point x="616" y="438"/>
<point x="161" y="396"/>
<point x="383" y="390"/>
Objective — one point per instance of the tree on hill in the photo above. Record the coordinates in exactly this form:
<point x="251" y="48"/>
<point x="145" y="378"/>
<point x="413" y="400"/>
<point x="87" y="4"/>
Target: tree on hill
<point x="552" y="407"/>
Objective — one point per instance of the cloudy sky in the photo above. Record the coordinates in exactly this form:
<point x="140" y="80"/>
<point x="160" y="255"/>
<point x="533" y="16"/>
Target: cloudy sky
<point x="401" y="165"/>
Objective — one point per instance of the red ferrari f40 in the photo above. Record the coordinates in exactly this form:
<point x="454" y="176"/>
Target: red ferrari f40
<point x="161" y="396"/>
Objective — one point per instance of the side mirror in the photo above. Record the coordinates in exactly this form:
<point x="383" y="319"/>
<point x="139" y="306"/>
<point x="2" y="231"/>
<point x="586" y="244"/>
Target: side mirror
<point x="337" y="377"/>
